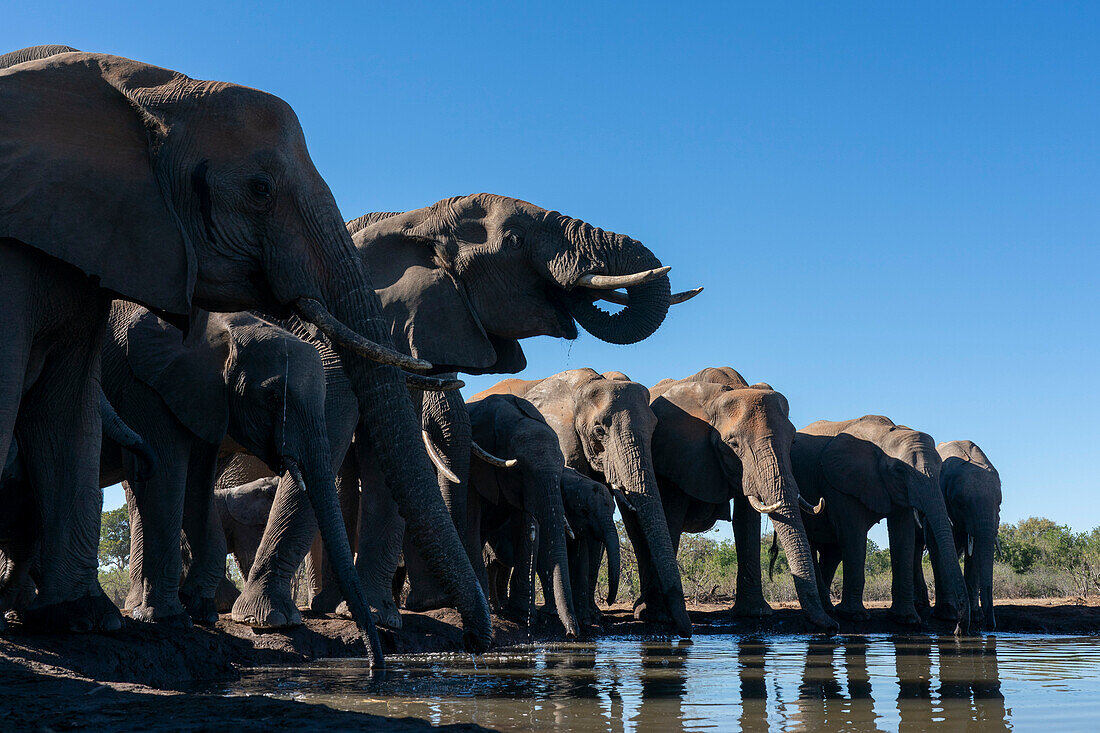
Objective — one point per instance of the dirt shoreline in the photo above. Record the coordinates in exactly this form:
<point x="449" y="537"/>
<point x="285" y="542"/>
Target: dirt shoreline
<point x="104" y="682"/>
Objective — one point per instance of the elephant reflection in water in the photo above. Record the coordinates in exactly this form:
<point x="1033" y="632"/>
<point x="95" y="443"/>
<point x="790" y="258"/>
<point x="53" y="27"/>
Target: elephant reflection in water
<point x="664" y="686"/>
<point x="823" y="702"/>
<point x="969" y="681"/>
<point x="751" y="653"/>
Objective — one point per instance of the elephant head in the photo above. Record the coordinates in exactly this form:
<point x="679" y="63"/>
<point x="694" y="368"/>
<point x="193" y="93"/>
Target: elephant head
<point x="887" y="466"/>
<point x="716" y="440"/>
<point x="174" y="192"/>
<point x="509" y="425"/>
<point x="972" y="489"/>
<point x="500" y="269"/>
<point x="590" y="509"/>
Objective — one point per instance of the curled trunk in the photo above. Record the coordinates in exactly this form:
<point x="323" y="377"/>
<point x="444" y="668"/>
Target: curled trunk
<point x="614" y="254"/>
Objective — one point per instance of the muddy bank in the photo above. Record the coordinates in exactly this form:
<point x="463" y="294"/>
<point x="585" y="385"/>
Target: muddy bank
<point x="98" y="680"/>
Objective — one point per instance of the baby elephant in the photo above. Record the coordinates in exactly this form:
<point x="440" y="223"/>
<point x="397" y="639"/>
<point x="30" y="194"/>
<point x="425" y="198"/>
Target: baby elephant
<point x="590" y="510"/>
<point x="972" y="490"/>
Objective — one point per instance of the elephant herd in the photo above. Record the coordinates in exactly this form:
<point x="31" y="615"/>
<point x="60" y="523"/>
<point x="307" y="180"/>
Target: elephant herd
<point x="189" y="314"/>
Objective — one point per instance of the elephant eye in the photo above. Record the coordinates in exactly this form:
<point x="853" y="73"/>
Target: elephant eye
<point x="262" y="187"/>
<point x="513" y="240"/>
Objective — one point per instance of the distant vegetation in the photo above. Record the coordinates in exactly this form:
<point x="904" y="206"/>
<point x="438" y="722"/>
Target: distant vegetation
<point x="1037" y="558"/>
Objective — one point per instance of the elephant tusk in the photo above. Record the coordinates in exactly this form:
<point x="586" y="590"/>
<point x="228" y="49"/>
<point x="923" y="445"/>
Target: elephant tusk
<point x="340" y="334"/>
<point x="489" y="458"/>
<point x="997" y="544"/>
<point x="621" y="496"/>
<point x="437" y="459"/>
<point x="970" y="546"/>
<point x="569" y="530"/>
<point x="916" y="518"/>
<point x="614" y="296"/>
<point x="761" y="506"/>
<point x="432" y="384"/>
<point x="810" y="508"/>
<point x="611" y="282"/>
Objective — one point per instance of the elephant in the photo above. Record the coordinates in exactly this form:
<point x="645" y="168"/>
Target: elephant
<point x="173" y="193"/>
<point x="605" y="425"/>
<point x="972" y="489"/>
<point x="719" y="438"/>
<point x="866" y="469"/>
<point x="460" y="282"/>
<point x="590" y="511"/>
<point x="527" y="498"/>
<point x="243" y="511"/>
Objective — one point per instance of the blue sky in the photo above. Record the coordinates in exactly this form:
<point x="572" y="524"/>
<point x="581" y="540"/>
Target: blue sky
<point x="894" y="210"/>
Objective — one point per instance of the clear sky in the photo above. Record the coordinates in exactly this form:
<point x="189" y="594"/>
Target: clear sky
<point x="893" y="210"/>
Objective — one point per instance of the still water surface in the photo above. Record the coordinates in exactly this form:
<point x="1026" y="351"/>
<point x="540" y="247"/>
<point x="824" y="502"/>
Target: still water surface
<point x="726" y="682"/>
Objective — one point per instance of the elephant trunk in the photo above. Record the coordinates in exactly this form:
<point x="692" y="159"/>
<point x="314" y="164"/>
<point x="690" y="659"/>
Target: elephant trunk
<point x="611" y="542"/>
<point x="984" y="545"/>
<point x="611" y="254"/>
<point x="941" y="548"/>
<point x="545" y="504"/>
<point x="394" y="434"/>
<point x="319" y="485"/>
<point x="632" y="468"/>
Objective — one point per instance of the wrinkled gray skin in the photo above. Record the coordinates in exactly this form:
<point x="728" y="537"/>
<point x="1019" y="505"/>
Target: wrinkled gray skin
<point x="867" y="469"/>
<point x="239" y="379"/>
<point x="460" y="283"/>
<point x="508" y="425"/>
<point x="590" y="511"/>
<point x="171" y="192"/>
<point x="243" y="512"/>
<point x="605" y="427"/>
<point x="720" y="439"/>
<point x="972" y="489"/>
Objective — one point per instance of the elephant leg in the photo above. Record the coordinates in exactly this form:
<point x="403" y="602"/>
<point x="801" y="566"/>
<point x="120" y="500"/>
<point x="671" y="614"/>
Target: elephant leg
<point x="902" y="528"/>
<point x="750" y="585"/>
<point x="266" y="602"/>
<point x="156" y="510"/>
<point x="324" y="594"/>
<point x="973" y="585"/>
<point x="827" y="565"/>
<point x="920" y="586"/>
<point x="578" y="580"/>
<point x="381" y="533"/>
<point x="853" y="553"/>
<point x="59" y="434"/>
<point x="205" y="535"/>
<point x="594" y="550"/>
<point x="650" y="606"/>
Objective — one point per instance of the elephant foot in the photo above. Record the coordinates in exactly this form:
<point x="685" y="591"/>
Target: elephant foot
<point x="944" y="612"/>
<point x="225" y="596"/>
<point x="652" y="613"/>
<point x="264" y="610"/>
<point x="386" y="618"/>
<point x="421" y="602"/>
<point x="147" y="614"/>
<point x="521" y="616"/>
<point x="202" y="611"/>
<point x="851" y="612"/>
<point x="326" y="601"/>
<point x="906" y="616"/>
<point x="752" y="608"/>
<point x="93" y="612"/>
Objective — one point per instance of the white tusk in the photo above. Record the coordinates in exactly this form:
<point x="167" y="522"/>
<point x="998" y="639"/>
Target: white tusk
<point x="614" y="296"/>
<point x="621" y="496"/>
<point x="437" y="459"/>
<point x="489" y="458"/>
<point x="610" y="282"/>
<point x="810" y="508"/>
<point x="969" y="546"/>
<point x="568" y="530"/>
<point x="916" y="518"/>
<point x="342" y="335"/>
<point x="761" y="506"/>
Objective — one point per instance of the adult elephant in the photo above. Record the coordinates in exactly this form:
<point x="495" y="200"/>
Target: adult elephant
<point x="509" y="425"/>
<point x="590" y="511"/>
<point x="719" y="439"/>
<point x="972" y="489"/>
<point x="604" y="425"/>
<point x="173" y="193"/>
<point x="461" y="281"/>
<point x="867" y="469"/>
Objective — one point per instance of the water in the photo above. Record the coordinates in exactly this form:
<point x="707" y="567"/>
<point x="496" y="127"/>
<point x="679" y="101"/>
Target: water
<point x="724" y="682"/>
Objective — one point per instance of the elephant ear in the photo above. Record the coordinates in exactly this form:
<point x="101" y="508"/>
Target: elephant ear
<point x="430" y="314"/>
<point x="188" y="377"/>
<point x="850" y="465"/>
<point x="685" y="444"/>
<point x="77" y="179"/>
<point x="250" y="504"/>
